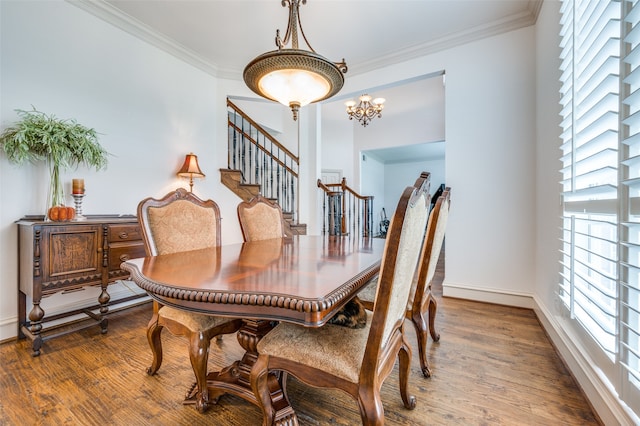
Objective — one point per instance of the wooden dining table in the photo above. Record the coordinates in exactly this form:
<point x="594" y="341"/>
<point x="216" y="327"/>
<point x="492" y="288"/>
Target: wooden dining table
<point x="300" y="279"/>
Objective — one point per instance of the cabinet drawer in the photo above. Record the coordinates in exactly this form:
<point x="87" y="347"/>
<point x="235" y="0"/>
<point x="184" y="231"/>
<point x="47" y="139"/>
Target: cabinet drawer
<point x="119" y="253"/>
<point x="125" y="232"/>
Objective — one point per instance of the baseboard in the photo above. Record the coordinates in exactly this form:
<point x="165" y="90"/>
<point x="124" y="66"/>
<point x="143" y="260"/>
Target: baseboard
<point x="488" y="295"/>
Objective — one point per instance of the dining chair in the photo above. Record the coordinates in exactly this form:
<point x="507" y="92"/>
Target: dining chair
<point x="260" y="219"/>
<point x="180" y="221"/>
<point x="355" y="360"/>
<point x="421" y="301"/>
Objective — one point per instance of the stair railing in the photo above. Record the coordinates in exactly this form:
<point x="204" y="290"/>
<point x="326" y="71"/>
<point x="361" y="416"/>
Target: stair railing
<point x="262" y="160"/>
<point x="344" y="211"/>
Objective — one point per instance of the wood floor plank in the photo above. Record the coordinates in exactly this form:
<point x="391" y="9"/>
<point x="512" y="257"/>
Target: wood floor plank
<point x="493" y="365"/>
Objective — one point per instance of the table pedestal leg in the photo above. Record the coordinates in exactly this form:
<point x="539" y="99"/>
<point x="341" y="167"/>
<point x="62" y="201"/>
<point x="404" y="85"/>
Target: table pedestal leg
<point x="235" y="379"/>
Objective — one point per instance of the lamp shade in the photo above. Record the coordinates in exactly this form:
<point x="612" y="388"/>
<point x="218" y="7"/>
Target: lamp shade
<point x="190" y="168"/>
<point x="293" y="76"/>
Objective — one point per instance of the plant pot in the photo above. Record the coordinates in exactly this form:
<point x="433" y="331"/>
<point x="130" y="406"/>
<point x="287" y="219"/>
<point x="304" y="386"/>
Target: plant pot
<point x="56" y="210"/>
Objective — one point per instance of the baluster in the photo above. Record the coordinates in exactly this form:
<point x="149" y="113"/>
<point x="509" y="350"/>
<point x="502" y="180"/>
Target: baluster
<point x="277" y="195"/>
<point x="293" y="199"/>
<point x="256" y="164"/>
<point x="242" y="150"/>
<point x="271" y="173"/>
<point x="285" y="188"/>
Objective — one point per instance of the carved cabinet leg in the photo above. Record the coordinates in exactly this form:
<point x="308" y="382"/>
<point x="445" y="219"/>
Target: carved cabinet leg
<point x="35" y="318"/>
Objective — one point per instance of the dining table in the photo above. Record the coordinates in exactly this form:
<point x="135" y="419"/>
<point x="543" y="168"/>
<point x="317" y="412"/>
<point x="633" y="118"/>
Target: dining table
<point x="303" y="279"/>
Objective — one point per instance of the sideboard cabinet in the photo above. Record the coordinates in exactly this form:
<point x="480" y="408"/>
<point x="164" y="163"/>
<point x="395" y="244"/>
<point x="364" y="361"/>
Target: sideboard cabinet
<point x="66" y="256"/>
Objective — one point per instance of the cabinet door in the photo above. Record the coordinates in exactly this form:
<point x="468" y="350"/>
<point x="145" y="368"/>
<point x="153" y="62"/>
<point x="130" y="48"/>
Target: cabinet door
<point x="71" y="257"/>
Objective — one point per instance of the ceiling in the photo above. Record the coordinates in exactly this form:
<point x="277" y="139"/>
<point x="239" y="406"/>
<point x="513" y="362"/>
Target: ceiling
<point x="221" y="36"/>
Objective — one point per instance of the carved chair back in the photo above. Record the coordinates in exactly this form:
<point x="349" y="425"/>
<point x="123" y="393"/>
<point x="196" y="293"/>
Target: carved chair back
<point x="260" y="219"/>
<point x="395" y="281"/>
<point x="179" y="221"/>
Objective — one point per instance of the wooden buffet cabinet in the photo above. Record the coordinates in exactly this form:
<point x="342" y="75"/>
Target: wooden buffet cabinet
<point x="66" y="256"/>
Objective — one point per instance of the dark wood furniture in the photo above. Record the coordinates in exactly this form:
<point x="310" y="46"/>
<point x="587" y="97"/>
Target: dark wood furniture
<point x="180" y="221"/>
<point x="301" y="279"/>
<point x="422" y="306"/>
<point x="66" y="256"/>
<point x="355" y="360"/>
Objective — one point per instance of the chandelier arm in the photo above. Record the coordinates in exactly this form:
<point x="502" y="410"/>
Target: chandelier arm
<point x="294" y="19"/>
<point x="342" y="66"/>
<point x="304" y="37"/>
<point x="370" y="112"/>
<point x="358" y="113"/>
<point x="287" y="35"/>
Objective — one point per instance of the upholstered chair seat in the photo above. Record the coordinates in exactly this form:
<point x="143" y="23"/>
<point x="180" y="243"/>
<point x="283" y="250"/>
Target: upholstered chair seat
<point x="328" y="348"/>
<point x="195" y="323"/>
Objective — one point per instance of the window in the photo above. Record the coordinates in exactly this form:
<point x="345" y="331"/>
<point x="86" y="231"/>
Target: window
<point x="599" y="285"/>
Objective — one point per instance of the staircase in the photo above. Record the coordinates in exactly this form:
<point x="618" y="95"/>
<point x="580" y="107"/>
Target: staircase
<point x="232" y="179"/>
<point x="344" y="211"/>
<point x="258" y="163"/>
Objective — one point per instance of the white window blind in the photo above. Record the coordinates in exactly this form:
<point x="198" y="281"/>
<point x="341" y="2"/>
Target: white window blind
<point x="629" y="318"/>
<point x="600" y="260"/>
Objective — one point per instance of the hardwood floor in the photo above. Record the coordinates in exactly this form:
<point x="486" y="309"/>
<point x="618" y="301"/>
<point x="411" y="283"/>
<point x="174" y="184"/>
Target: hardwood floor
<point x="493" y="365"/>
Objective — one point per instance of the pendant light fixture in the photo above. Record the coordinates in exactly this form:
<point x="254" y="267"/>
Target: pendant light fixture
<point x="366" y="109"/>
<point x="292" y="76"/>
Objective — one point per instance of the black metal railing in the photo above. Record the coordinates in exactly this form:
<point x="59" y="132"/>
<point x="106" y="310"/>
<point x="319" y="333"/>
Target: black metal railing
<point x="344" y="211"/>
<point x="262" y="160"/>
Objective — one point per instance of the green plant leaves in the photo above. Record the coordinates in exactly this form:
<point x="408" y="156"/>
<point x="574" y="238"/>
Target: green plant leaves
<point x="39" y="137"/>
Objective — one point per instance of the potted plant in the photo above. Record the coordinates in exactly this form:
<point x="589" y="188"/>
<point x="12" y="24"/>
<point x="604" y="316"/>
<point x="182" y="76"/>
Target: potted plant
<point x="61" y="143"/>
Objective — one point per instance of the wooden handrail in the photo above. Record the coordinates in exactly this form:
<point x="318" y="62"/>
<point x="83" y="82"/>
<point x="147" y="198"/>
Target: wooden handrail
<point x="262" y="160"/>
<point x="345" y="188"/>
<point x="259" y="127"/>
<point x="261" y="148"/>
<point x="350" y="209"/>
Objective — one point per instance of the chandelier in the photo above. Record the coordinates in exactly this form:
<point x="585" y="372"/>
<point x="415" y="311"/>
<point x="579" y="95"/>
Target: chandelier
<point x="366" y="109"/>
<point x="292" y="76"/>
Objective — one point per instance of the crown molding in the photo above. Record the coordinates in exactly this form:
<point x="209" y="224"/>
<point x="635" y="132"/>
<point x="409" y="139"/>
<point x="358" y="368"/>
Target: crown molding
<point x="114" y="16"/>
<point x="509" y="23"/>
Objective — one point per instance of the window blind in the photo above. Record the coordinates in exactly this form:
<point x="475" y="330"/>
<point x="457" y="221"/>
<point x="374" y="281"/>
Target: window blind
<point x="629" y="316"/>
<point x="599" y="285"/>
<point x="589" y="98"/>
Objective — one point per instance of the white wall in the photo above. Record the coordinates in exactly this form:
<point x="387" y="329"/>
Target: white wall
<point x="338" y="152"/>
<point x="399" y="176"/>
<point x="374" y="185"/>
<point x="490" y="140"/>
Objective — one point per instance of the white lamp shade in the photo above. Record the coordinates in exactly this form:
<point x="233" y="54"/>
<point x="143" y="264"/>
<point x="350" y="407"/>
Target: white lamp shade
<point x="294" y="86"/>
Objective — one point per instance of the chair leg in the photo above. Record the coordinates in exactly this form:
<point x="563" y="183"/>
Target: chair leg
<point x="420" y="325"/>
<point x="153" y="337"/>
<point x="198" y="355"/>
<point x="433" y="306"/>
<point x="404" y="357"/>
<point x="371" y="409"/>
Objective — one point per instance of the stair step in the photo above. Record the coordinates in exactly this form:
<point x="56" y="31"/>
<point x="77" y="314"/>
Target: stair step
<point x="232" y="179"/>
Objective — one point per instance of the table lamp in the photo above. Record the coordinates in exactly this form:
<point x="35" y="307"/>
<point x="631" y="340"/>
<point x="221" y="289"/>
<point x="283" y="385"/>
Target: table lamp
<point x="190" y="168"/>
